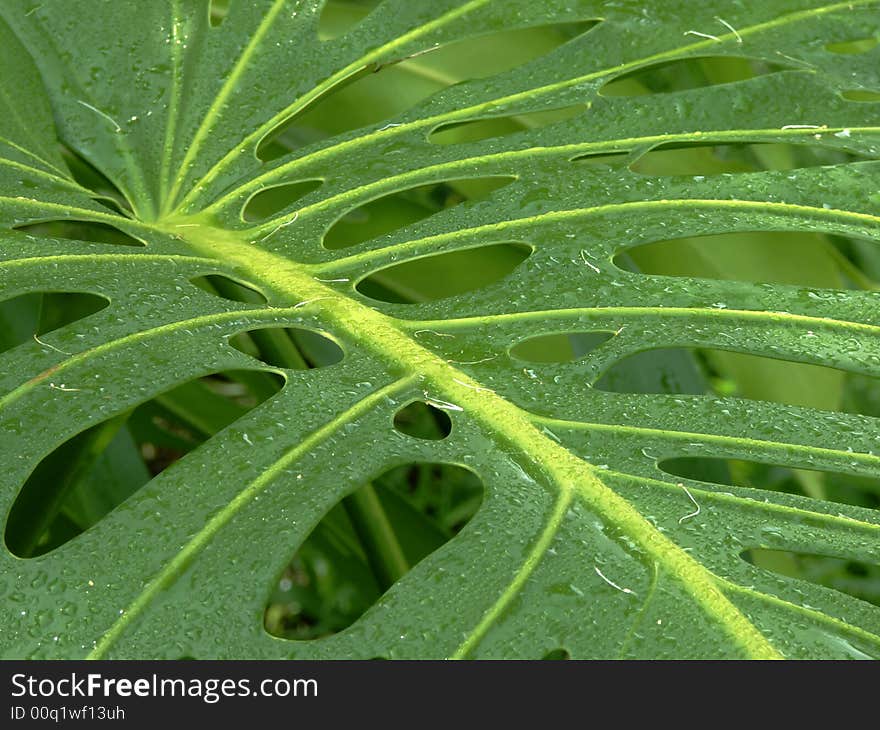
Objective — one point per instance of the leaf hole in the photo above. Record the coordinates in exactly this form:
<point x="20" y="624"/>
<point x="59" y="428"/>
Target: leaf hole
<point x="730" y="374"/>
<point x="217" y="12"/>
<point x="266" y="203"/>
<point x="338" y="17"/>
<point x="384" y="91"/>
<point x="423" y="421"/>
<point x="852" y="489"/>
<point x="688" y="73"/>
<point x="792" y="258"/>
<point x="80" y="231"/>
<point x="668" y="370"/>
<point x="36" y="314"/>
<point x="559" y="347"/>
<point x="80" y="482"/>
<point x="402" y="208"/>
<point x="853" y="577"/>
<point x="556" y="655"/>
<point x="439" y="276"/>
<point x="294" y="348"/>
<point x="172" y="424"/>
<point x="338" y="572"/>
<point x="859" y="45"/>
<point x="230" y="289"/>
<point x="609" y="161"/>
<point x="716" y="159"/>
<point x="491" y="127"/>
<point x="90" y="177"/>
<point x="863" y="95"/>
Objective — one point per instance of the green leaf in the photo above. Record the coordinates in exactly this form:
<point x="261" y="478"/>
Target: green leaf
<point x="172" y="119"/>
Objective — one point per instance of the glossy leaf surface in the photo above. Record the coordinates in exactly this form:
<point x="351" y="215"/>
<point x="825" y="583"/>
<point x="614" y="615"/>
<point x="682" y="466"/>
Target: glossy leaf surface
<point x="584" y="540"/>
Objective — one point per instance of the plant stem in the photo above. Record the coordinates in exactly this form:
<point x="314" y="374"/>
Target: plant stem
<point x="377" y="537"/>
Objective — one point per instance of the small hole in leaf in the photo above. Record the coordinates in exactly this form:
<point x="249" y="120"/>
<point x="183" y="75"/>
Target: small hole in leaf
<point x="81" y="481"/>
<point x="424" y="421"/>
<point x="340" y="16"/>
<point x="270" y="201"/>
<point x="687" y="73"/>
<point x="292" y="347"/>
<point x="861" y="95"/>
<point x="711" y="159"/>
<point x="444" y="275"/>
<point x="860" y="45"/>
<point x="853" y="489"/>
<point x="381" y="92"/>
<point x="80" y="231"/>
<point x="403" y="208"/>
<point x="342" y="568"/>
<point x="27" y="315"/>
<point x="610" y="161"/>
<point x="559" y="347"/>
<point x="853" y="577"/>
<point x="227" y="288"/>
<point x="218" y="11"/>
<point x="87" y="175"/>
<point x="480" y="129"/>
<point x="556" y="654"/>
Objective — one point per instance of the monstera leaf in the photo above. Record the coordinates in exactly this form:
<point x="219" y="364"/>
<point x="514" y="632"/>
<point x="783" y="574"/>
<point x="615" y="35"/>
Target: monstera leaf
<point x="249" y="244"/>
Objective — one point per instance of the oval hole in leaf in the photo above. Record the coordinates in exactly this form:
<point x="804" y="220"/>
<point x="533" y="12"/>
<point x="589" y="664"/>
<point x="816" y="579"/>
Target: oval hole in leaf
<point x="423" y="421"/>
<point x="559" y="347"/>
<point x="795" y="258"/>
<point x="613" y="160"/>
<point x="687" y="73"/>
<point x="749" y="376"/>
<point x="404" y="207"/>
<point x="860" y="45"/>
<point x="217" y="12"/>
<point x="556" y="654"/>
<point x="861" y="491"/>
<point x="672" y="370"/>
<point x="716" y="159"/>
<point x="853" y="577"/>
<point x="270" y="201"/>
<point x="336" y="574"/>
<point x="861" y="95"/>
<point x="340" y="16"/>
<point x="480" y="129"/>
<point x="80" y="231"/>
<point x="382" y="92"/>
<point x="226" y="288"/>
<point x="27" y="315"/>
<point x="81" y="481"/>
<point x="295" y="348"/>
<point x="444" y="275"/>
